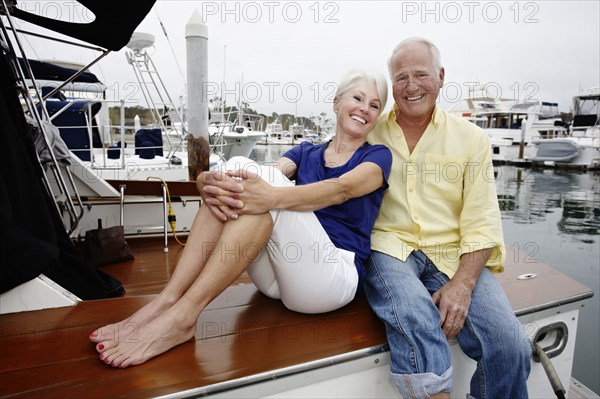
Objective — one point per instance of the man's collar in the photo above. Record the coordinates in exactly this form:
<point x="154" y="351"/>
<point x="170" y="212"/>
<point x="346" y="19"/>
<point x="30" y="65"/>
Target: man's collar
<point x="435" y="117"/>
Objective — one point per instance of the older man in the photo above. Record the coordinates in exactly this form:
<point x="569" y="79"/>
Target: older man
<point x="436" y="242"/>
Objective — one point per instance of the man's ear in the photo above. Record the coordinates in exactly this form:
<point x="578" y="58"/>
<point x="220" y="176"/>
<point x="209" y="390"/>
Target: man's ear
<point x="441" y="76"/>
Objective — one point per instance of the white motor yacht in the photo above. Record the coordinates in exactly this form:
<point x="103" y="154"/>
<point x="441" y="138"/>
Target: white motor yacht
<point x="581" y="148"/>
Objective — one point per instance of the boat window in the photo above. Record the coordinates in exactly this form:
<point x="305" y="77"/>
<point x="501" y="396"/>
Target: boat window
<point x="587" y="106"/>
<point x="549" y="110"/>
<point x="501" y="121"/>
<point x="517" y="121"/>
<point x="481" y="123"/>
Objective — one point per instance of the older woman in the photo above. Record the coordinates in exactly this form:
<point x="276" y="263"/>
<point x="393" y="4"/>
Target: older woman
<point x="304" y="244"/>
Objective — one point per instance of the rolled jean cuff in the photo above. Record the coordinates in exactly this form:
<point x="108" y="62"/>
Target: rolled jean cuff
<point x="418" y="386"/>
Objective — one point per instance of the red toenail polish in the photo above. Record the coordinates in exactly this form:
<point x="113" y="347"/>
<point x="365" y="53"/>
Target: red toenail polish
<point x="100" y="346"/>
<point x="93" y="335"/>
<point x="101" y="356"/>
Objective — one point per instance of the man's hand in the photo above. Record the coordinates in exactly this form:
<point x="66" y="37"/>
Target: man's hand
<point x="453" y="301"/>
<point x="221" y="193"/>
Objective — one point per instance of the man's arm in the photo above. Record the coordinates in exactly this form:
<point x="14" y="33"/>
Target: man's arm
<point x="481" y="237"/>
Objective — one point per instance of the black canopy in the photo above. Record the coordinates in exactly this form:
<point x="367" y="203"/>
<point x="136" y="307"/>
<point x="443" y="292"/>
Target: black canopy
<point x="111" y="29"/>
<point x="32" y="234"/>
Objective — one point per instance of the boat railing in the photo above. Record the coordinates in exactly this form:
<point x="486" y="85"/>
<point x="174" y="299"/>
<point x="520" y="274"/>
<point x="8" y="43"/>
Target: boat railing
<point x="156" y="95"/>
<point x="50" y="166"/>
<point x="240" y="118"/>
<point x="550" y="131"/>
<point x="216" y="139"/>
<point x="120" y="137"/>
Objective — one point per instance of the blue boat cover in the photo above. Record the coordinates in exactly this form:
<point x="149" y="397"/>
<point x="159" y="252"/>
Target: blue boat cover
<point x="72" y="125"/>
<point x="148" y="143"/>
<point x="49" y="71"/>
<point x="556" y="150"/>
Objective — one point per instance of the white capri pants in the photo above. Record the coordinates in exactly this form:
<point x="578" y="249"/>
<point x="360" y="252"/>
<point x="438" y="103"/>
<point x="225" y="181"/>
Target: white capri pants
<point x="300" y="265"/>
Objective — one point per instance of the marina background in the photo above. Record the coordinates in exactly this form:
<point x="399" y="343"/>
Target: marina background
<point x="553" y="217"/>
<point x="287" y="56"/>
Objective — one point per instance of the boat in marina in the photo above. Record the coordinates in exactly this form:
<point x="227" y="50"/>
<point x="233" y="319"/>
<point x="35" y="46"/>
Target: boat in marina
<point x="110" y="151"/>
<point x="513" y="130"/>
<point x="512" y="126"/>
<point x="116" y="151"/>
<point x="581" y="148"/>
<point x="238" y="138"/>
<point x="277" y="136"/>
<point x="274" y="134"/>
<point x="478" y="100"/>
<point x="296" y="135"/>
<point x="231" y="134"/>
<point x="246" y="345"/>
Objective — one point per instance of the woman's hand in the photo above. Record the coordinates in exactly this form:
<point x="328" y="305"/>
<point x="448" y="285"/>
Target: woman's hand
<point x="220" y="192"/>
<point x="256" y="196"/>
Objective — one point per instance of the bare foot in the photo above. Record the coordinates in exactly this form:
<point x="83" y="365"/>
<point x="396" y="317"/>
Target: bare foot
<point x="117" y="332"/>
<point x="156" y="337"/>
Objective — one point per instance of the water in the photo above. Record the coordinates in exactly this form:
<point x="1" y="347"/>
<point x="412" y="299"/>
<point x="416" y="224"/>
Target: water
<point x="553" y="216"/>
<point x="266" y="153"/>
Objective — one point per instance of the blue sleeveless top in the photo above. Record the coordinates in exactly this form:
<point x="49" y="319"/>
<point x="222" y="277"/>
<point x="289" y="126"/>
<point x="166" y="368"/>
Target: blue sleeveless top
<point x="349" y="224"/>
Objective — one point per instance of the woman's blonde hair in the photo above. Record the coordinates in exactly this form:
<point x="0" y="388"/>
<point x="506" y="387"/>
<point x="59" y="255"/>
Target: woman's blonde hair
<point x="350" y="79"/>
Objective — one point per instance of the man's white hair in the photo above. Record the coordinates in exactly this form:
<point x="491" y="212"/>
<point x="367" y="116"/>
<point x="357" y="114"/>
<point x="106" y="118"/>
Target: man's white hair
<point x="435" y="52"/>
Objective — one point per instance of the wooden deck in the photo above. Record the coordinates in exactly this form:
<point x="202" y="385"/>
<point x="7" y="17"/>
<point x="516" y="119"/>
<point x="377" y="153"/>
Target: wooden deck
<point x="242" y="333"/>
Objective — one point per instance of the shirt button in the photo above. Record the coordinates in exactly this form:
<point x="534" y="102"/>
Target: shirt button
<point x="410" y="189"/>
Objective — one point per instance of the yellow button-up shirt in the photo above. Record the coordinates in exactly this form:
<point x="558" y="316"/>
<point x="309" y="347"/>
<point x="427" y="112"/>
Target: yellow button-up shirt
<point x="441" y="197"/>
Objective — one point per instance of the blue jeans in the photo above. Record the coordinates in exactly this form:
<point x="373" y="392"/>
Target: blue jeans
<point x="400" y="294"/>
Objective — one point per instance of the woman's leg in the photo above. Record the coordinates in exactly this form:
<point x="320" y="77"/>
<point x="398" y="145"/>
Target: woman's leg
<point x="232" y="254"/>
<point x="262" y="274"/>
<point x="303" y="267"/>
<point x="205" y="231"/>
<point x="300" y="265"/>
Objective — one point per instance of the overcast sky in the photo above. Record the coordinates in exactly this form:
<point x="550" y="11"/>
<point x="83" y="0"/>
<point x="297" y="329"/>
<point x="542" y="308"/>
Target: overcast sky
<point x="287" y="56"/>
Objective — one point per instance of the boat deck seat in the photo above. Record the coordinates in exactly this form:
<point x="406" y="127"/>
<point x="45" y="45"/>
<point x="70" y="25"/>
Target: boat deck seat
<point x="154" y="187"/>
<point x="241" y="334"/>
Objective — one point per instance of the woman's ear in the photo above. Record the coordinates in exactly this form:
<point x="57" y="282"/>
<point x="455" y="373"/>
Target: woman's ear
<point x="336" y="101"/>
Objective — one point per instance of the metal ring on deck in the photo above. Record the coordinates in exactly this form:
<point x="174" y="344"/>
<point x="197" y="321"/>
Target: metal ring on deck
<point x="526" y="276"/>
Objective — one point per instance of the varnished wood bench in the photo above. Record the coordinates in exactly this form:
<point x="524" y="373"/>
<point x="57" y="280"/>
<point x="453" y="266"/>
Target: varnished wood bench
<point x="243" y="337"/>
<point x="154" y="187"/>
